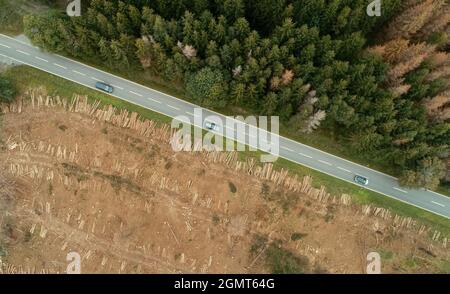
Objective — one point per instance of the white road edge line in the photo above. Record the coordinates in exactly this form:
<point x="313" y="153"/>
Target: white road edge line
<point x="435" y="193"/>
<point x="309" y="166"/>
<point x="409" y="203"/>
<point x="19" y="41"/>
<point x="16" y="60"/>
<point x="4" y="46"/>
<point x="192" y="104"/>
<point x="437" y="203"/>
<point x="108" y="73"/>
<point x="172" y="107"/>
<point x="23" y="52"/>
<point x="403" y="191"/>
<point x="343" y="169"/>
<point x="324" y="162"/>
<point x="58" y="65"/>
<point x="304" y="155"/>
<point x="190" y="113"/>
<point x="80" y="73"/>
<point x="41" y="59"/>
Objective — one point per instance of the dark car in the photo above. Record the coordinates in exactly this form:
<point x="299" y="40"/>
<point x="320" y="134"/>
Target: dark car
<point x="104" y="87"/>
<point x="361" y="180"/>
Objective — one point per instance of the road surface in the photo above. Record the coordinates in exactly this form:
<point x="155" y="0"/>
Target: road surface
<point x="19" y="51"/>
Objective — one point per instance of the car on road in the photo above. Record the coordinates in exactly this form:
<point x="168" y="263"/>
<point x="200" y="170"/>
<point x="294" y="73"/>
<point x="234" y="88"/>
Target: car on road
<point x="361" y="180"/>
<point x="211" y="126"/>
<point x="104" y="87"/>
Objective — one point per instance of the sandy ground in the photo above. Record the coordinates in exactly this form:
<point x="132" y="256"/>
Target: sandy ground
<point x="128" y="204"/>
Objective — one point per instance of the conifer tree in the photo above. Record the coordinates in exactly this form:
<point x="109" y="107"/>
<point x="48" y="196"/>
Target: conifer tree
<point x="409" y="22"/>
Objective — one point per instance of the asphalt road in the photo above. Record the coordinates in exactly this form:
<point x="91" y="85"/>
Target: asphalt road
<point x="20" y="51"/>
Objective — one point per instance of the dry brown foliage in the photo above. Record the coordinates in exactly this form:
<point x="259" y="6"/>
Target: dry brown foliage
<point x="437" y="23"/>
<point x="287" y="76"/>
<point x="412" y="19"/>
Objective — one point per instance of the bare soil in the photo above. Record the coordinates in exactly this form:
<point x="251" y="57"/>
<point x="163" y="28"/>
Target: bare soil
<point x="128" y="204"/>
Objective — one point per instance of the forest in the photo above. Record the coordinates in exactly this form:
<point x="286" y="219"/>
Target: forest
<point x="380" y="82"/>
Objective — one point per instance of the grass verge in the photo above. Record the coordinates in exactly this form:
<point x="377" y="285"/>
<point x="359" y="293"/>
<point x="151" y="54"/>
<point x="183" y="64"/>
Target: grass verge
<point x="25" y="77"/>
<point x="11" y="23"/>
<point x="325" y="140"/>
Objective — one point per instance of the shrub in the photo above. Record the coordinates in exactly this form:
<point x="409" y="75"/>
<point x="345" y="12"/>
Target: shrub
<point x="7" y="90"/>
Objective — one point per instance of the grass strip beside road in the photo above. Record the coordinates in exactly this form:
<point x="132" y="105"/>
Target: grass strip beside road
<point x="25" y="77"/>
<point x="322" y="139"/>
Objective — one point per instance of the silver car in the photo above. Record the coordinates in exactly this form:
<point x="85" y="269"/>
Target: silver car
<point x="211" y="126"/>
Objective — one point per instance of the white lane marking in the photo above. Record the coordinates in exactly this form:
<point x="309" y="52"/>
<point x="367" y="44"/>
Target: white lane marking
<point x="165" y="94"/>
<point x="80" y="73"/>
<point x="190" y="113"/>
<point x="98" y="80"/>
<point x="58" y="65"/>
<point x="173" y="107"/>
<point x="343" y="169"/>
<point x="173" y="97"/>
<point x="23" y="52"/>
<point x="309" y="166"/>
<point x="285" y="148"/>
<point x="324" y="162"/>
<point x="304" y="155"/>
<point x="41" y="59"/>
<point x="158" y="101"/>
<point x="437" y="203"/>
<point x="134" y="93"/>
<point x="4" y="46"/>
<point x="120" y="88"/>
<point x="154" y="100"/>
<point x="403" y="191"/>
